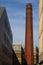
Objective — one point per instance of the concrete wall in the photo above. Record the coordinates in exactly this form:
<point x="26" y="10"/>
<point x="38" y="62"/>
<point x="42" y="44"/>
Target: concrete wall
<point x="5" y="40"/>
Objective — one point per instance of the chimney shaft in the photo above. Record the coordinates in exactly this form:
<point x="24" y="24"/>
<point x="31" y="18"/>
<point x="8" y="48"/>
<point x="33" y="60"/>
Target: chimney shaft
<point x="29" y="58"/>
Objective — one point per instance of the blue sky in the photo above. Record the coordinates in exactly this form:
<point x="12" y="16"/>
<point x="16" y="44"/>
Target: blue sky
<point x="16" y="11"/>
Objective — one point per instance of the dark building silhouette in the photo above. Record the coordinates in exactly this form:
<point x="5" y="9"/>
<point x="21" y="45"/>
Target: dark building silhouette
<point x="22" y="56"/>
<point x="29" y="58"/>
<point x="5" y="39"/>
<point x="37" y="55"/>
<point x="15" y="59"/>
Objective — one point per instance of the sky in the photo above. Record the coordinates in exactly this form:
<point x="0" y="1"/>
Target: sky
<point x="16" y="11"/>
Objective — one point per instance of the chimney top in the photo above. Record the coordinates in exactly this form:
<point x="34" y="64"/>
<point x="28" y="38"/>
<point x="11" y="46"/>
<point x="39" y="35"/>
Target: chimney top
<point x="29" y="5"/>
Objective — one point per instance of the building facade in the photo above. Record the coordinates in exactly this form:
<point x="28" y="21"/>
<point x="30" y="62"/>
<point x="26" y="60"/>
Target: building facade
<point x="17" y="49"/>
<point x="36" y="55"/>
<point x="40" y="31"/>
<point x="5" y="39"/>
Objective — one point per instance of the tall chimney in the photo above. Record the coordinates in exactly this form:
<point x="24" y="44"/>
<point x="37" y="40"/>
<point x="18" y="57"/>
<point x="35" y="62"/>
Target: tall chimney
<point x="29" y="58"/>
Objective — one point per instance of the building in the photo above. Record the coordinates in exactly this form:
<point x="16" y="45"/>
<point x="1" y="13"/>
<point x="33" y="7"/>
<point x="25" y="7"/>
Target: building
<point x="22" y="55"/>
<point x="36" y="55"/>
<point x="29" y="55"/>
<point x="17" y="49"/>
<point x="5" y="39"/>
<point x="40" y="31"/>
<point x="15" y="59"/>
